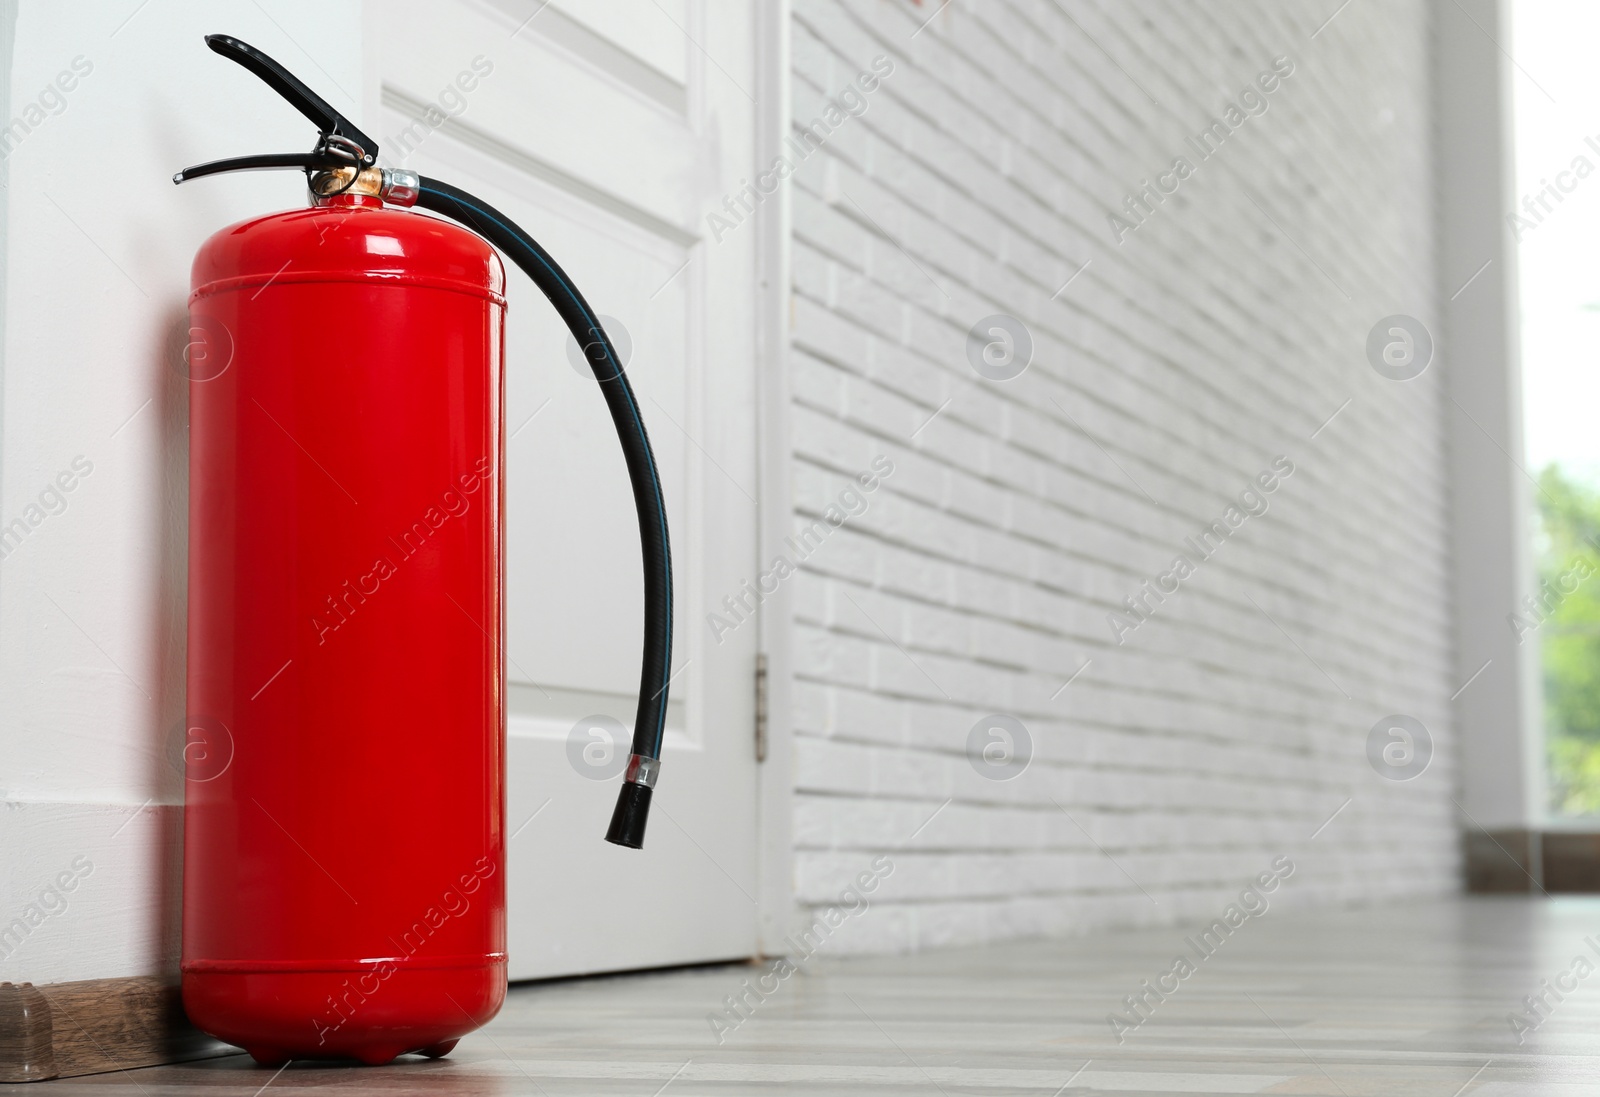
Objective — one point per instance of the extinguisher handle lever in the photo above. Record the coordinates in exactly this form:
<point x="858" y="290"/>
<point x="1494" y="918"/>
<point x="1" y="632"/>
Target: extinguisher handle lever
<point x="322" y="115"/>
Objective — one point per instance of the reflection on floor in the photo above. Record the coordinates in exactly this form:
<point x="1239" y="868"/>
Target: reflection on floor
<point x="1414" y="999"/>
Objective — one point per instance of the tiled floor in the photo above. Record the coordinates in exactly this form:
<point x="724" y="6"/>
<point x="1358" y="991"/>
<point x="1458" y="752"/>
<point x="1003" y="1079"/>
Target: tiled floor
<point x="1380" y="1001"/>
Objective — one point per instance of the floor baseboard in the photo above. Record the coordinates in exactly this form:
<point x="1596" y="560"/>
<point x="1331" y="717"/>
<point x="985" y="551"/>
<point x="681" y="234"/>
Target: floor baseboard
<point x="1552" y="862"/>
<point x="97" y="1025"/>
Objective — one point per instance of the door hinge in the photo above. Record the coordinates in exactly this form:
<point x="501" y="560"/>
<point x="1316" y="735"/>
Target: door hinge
<point x="761" y="706"/>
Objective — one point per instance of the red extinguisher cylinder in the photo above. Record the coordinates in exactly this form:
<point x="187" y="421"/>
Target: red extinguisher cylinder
<point x="344" y="841"/>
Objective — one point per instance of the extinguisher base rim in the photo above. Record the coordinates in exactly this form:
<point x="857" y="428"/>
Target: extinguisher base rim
<point x="630" y="816"/>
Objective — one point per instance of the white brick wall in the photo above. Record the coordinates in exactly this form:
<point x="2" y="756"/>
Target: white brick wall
<point x="1216" y="337"/>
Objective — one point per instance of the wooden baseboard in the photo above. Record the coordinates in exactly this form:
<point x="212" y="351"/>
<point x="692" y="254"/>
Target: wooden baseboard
<point x="1571" y="861"/>
<point x="94" y="1026"/>
<point x="1552" y="862"/>
<point x="1503" y="861"/>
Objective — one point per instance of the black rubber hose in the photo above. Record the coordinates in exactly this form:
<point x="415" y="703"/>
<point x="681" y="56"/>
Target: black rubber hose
<point x="633" y="802"/>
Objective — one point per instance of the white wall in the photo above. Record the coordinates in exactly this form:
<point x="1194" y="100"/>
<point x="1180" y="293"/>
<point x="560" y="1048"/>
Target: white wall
<point x="1176" y="367"/>
<point x="97" y="249"/>
<point x="1501" y="716"/>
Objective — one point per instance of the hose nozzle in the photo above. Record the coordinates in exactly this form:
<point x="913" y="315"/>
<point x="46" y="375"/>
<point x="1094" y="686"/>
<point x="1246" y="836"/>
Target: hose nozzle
<point x="633" y="802"/>
<point x="630" y="816"/>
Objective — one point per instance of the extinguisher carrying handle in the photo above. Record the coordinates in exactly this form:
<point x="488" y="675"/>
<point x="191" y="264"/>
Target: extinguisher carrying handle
<point x="265" y="161"/>
<point x="633" y="802"/>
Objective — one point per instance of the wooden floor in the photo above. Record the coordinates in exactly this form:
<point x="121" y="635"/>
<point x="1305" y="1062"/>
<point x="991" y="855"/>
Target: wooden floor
<point x="1393" y="1001"/>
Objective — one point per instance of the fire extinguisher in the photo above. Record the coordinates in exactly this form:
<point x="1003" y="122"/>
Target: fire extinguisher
<point x="344" y="822"/>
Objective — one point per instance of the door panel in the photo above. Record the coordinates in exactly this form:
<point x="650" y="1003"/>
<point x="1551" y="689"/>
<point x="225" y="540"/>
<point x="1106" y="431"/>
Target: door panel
<point x="551" y="106"/>
<point x="575" y="135"/>
<point x="649" y="32"/>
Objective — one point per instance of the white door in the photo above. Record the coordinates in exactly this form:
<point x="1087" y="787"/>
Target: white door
<point x="608" y="128"/>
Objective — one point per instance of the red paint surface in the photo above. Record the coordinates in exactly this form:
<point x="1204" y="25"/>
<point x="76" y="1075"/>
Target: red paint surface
<point x="344" y="842"/>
